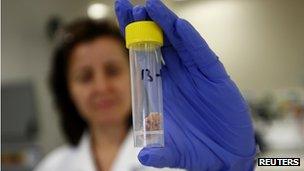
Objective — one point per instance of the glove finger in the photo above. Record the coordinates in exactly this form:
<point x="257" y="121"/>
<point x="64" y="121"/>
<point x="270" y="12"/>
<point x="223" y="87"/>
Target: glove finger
<point x="197" y="48"/>
<point x="175" y="71"/>
<point x="124" y="13"/>
<point x="139" y="13"/>
<point x="157" y="157"/>
<point x="165" y="18"/>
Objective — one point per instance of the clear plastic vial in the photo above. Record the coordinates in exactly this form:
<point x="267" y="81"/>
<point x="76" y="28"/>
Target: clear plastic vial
<point x="144" y="40"/>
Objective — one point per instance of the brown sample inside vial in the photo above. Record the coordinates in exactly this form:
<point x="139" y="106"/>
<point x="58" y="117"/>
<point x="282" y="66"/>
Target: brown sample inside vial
<point x="153" y="121"/>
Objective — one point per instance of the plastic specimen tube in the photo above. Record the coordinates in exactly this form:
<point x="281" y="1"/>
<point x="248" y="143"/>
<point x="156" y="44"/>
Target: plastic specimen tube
<point x="144" y="40"/>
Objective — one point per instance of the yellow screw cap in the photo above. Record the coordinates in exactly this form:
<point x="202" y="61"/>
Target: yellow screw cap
<point x="143" y="31"/>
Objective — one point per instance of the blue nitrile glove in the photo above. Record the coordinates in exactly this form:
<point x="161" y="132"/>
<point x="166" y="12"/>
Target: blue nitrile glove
<point x="206" y="120"/>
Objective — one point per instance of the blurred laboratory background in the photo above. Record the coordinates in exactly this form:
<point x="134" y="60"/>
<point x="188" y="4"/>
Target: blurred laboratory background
<point x="260" y="42"/>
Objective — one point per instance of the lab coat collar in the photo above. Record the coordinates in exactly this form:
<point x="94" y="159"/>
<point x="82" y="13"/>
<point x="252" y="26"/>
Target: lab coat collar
<point x="83" y="159"/>
<point x="126" y="157"/>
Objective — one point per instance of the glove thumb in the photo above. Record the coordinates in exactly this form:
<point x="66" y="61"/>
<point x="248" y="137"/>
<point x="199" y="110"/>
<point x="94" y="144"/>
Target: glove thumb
<point x="158" y="157"/>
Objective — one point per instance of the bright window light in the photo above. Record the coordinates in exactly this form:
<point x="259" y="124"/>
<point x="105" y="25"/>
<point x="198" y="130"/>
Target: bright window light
<point x="97" y="11"/>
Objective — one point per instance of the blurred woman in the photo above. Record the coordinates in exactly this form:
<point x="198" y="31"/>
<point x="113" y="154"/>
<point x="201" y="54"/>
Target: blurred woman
<point x="91" y="86"/>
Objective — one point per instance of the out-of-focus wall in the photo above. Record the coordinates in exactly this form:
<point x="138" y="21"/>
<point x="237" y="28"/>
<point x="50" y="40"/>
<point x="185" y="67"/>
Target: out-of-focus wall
<point x="26" y="54"/>
<point x="261" y="43"/>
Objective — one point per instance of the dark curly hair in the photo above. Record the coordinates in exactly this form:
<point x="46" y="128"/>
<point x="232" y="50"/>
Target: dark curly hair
<point x="79" y="31"/>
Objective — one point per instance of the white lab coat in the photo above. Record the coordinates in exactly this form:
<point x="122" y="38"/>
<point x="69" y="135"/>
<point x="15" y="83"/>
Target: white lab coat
<point x="67" y="158"/>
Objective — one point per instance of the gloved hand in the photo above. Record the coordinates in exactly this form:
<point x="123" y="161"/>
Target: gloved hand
<point x="207" y="123"/>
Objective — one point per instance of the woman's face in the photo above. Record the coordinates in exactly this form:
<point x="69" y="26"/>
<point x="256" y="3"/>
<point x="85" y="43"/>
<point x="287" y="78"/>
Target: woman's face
<point x="99" y="82"/>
